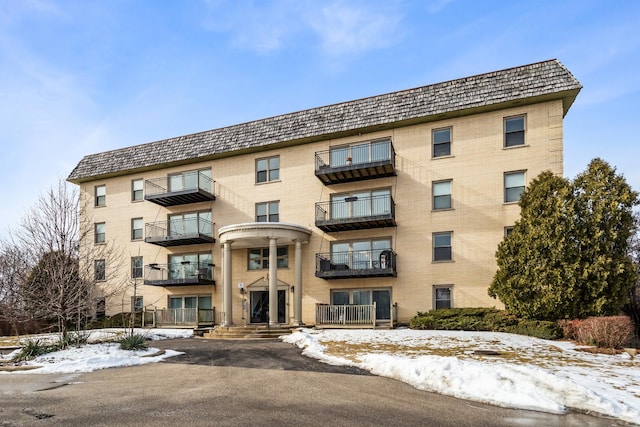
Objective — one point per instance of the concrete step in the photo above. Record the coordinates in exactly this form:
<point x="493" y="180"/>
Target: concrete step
<point x="245" y="332"/>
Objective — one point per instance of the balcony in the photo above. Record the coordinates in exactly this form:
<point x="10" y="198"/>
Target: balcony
<point x="356" y="162"/>
<point x="179" y="233"/>
<point x="180" y="189"/>
<point x="185" y="273"/>
<point x="356" y="213"/>
<point x="356" y="264"/>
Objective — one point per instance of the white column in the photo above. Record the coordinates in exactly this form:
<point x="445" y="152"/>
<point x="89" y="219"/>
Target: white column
<point x="273" y="282"/>
<point x="297" y="286"/>
<point x="227" y="289"/>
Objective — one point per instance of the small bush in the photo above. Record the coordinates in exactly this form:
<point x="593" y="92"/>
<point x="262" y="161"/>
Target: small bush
<point x="605" y="332"/>
<point x="537" y="328"/>
<point x="569" y="328"/>
<point x="33" y="349"/>
<point x="74" y="338"/>
<point x="133" y="342"/>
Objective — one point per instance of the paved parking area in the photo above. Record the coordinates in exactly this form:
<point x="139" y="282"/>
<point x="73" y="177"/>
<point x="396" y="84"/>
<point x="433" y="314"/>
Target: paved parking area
<point x="245" y="383"/>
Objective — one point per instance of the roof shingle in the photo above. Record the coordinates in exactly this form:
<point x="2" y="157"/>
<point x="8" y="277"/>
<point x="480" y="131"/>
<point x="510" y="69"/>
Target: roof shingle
<point x="542" y="79"/>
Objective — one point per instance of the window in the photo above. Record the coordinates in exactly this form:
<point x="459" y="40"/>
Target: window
<point x="380" y="296"/>
<point x="136" y="304"/>
<point x="514" y="131"/>
<point x="441" y="296"/>
<point x="442" y="246"/>
<point x="442" y="195"/>
<point x="100" y="195"/>
<point x="259" y="258"/>
<point x="136" y="267"/>
<point x="99" y="234"/>
<point x="362" y="254"/>
<point x="441" y="142"/>
<point x="191" y="180"/>
<point x="513" y="186"/>
<point x="137" y="189"/>
<point x="191" y="223"/>
<point x="508" y="231"/>
<point x="361" y="204"/>
<point x="136" y="229"/>
<point x="267" y="212"/>
<point x="191" y="266"/>
<point x="99" y="270"/>
<point x="268" y="169"/>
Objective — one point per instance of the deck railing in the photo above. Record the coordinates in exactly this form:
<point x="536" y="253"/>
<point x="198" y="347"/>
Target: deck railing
<point x="346" y="315"/>
<point x="178" y="317"/>
<point x="191" y="180"/>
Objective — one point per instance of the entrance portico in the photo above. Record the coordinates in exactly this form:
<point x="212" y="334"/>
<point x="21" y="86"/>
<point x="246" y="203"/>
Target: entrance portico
<point x="256" y="234"/>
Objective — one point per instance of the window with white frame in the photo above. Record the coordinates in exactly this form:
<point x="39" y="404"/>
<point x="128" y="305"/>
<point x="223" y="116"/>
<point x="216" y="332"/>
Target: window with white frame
<point x="514" y="131"/>
<point x="442" y="297"/>
<point x="99" y="232"/>
<point x="441" y="142"/>
<point x="513" y="186"/>
<point x="100" y="195"/>
<point x="258" y="258"/>
<point x="442" y="195"/>
<point x="137" y="304"/>
<point x="137" y="190"/>
<point x="442" y="246"/>
<point x="136" y="228"/>
<point x="268" y="212"/>
<point x="268" y="169"/>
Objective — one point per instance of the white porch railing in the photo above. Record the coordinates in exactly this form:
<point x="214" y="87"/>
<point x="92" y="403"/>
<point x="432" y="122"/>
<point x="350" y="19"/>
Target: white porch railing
<point x="178" y="317"/>
<point x="346" y="315"/>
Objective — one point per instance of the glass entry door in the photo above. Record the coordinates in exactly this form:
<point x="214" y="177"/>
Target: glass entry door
<point x="259" y="302"/>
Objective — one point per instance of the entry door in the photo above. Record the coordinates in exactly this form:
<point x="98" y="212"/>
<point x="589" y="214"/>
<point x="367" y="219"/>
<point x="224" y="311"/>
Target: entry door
<point x="382" y="298"/>
<point x="260" y="306"/>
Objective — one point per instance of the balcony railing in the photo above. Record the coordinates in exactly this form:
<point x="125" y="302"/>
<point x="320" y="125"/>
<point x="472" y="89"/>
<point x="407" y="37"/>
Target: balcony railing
<point x="190" y="231"/>
<point x="356" y="264"/>
<point x="346" y="315"/>
<point x="178" y="317"/>
<point x="180" y="189"/>
<point x="356" y="213"/>
<point x="179" y="274"/>
<point x="357" y="162"/>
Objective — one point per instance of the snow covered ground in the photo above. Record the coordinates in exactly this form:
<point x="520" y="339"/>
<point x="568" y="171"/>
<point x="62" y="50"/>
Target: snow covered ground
<point x="529" y="373"/>
<point x="101" y="354"/>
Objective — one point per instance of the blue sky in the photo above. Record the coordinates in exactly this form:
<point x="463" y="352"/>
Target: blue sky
<point x="79" y="77"/>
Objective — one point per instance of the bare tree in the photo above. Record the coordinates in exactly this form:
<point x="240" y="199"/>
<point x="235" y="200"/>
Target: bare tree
<point x="57" y="239"/>
<point x="13" y="271"/>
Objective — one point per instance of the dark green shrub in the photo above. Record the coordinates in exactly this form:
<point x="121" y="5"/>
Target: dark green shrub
<point x="133" y="342"/>
<point x="484" y="319"/>
<point x="33" y="349"/>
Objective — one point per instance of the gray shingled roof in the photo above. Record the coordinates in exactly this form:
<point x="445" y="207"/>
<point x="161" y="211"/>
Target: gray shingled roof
<point x="548" y="79"/>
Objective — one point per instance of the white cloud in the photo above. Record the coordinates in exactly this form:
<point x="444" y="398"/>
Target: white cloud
<point x="339" y="27"/>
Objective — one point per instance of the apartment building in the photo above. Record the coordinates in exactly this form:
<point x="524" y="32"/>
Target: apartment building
<point x="365" y="211"/>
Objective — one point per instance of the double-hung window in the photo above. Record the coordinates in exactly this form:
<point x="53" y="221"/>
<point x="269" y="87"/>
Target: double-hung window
<point x="100" y="195"/>
<point x="136" y="228"/>
<point x="100" y="270"/>
<point x="268" y="169"/>
<point x="268" y="212"/>
<point x="441" y="296"/>
<point x="442" y="195"/>
<point x="137" y="190"/>
<point x="441" y="142"/>
<point x="136" y="267"/>
<point x="513" y="131"/>
<point x="99" y="232"/>
<point x="513" y="186"/>
<point x="442" y="246"/>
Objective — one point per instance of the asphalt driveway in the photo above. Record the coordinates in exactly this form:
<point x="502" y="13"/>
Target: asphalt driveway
<point x="245" y="383"/>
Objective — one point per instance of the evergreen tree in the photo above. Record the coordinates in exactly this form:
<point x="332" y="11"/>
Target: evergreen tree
<point x="567" y="256"/>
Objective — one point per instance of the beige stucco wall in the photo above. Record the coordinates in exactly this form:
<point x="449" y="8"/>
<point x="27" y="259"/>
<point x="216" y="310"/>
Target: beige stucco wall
<point x="477" y="220"/>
